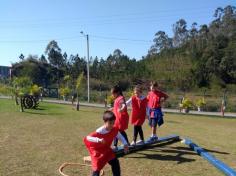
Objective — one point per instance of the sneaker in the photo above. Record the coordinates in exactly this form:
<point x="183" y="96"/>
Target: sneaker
<point x="155" y="138"/>
<point x="133" y="143"/>
<point x="140" y="142"/>
<point x="151" y="139"/>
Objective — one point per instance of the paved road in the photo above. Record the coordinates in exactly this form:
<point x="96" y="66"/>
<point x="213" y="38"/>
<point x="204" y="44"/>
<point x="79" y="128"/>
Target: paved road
<point x="164" y="109"/>
<point x="227" y="114"/>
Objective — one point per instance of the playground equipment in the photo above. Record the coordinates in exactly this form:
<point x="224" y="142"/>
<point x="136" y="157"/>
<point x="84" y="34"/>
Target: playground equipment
<point x="28" y="102"/>
<point x="74" y="164"/>
<point x="160" y="142"/>
<point x="163" y="140"/>
<point x="210" y="158"/>
<point x="120" y="151"/>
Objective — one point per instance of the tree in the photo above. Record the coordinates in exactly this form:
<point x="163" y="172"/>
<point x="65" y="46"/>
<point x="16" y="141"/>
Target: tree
<point x="117" y="53"/>
<point x="54" y="54"/>
<point x="203" y="36"/>
<point x="193" y="31"/>
<point x="227" y="65"/>
<point x="78" y="65"/>
<point x="78" y="88"/>
<point x="67" y="79"/>
<point x="180" y="33"/>
<point x="21" y="86"/>
<point x="21" y="56"/>
<point x="56" y="59"/>
<point x="43" y="59"/>
<point x="39" y="72"/>
<point x="95" y="68"/>
<point x="161" y="42"/>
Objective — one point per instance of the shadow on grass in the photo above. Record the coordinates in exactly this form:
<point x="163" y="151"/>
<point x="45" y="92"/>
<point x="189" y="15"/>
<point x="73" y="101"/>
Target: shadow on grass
<point x="165" y="157"/>
<point x="93" y="111"/>
<point x="40" y="113"/>
<point x="163" y="153"/>
<point x="171" y="121"/>
<point x="166" y="154"/>
<point x="40" y="109"/>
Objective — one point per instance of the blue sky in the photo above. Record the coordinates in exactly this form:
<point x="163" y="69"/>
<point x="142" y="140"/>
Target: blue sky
<point x="27" y="26"/>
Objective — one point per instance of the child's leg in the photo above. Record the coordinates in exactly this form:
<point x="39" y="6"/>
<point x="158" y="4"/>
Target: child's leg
<point x="95" y="173"/>
<point x="115" y="142"/>
<point x="135" y="133"/>
<point x="115" y="166"/>
<point x="154" y="126"/>
<point x="154" y="130"/>
<point x="123" y="133"/>
<point x="140" y="130"/>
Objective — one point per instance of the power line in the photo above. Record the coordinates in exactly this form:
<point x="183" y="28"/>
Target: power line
<point x="76" y="38"/>
<point x="98" y="23"/>
<point x="122" y="39"/>
<point x="109" y="20"/>
<point x="39" y="40"/>
<point x="116" y="15"/>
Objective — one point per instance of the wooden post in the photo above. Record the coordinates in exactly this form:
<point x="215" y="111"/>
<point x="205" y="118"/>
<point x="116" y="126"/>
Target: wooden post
<point x="21" y="105"/>
<point x="105" y="101"/>
<point x="77" y="104"/>
<point x="223" y="104"/>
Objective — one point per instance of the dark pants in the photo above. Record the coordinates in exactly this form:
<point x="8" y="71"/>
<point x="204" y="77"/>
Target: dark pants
<point x="115" y="167"/>
<point x="138" y="130"/>
<point x="123" y="133"/>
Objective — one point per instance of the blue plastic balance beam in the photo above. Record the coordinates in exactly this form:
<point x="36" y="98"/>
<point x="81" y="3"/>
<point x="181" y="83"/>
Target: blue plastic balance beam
<point x="210" y="158"/>
<point x="162" y="140"/>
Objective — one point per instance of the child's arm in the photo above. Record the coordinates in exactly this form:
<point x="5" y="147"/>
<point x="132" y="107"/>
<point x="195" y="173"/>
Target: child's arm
<point x="94" y="139"/>
<point x="165" y="96"/>
<point x="122" y="139"/>
<point x="122" y="106"/>
<point x="129" y="102"/>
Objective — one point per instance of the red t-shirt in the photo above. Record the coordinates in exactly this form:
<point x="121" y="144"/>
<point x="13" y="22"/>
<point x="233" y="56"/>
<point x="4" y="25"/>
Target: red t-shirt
<point x="154" y="99"/>
<point x="101" y="153"/>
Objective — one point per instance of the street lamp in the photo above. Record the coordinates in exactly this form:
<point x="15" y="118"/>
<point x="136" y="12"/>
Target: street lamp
<point x="87" y="36"/>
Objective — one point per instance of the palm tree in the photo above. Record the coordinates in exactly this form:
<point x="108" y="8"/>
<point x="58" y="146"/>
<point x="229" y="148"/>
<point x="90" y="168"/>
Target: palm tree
<point x="78" y="88"/>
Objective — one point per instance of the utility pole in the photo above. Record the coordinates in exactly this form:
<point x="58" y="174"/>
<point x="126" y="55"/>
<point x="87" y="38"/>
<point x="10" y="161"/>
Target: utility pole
<point x="87" y="37"/>
<point x="88" y="66"/>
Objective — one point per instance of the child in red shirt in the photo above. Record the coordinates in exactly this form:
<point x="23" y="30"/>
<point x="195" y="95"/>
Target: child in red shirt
<point x="120" y="111"/>
<point x="155" y="99"/>
<point x="138" y="113"/>
<point x="99" y="145"/>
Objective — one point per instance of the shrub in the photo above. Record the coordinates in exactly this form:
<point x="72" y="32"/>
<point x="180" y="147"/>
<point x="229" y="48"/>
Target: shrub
<point x="110" y="100"/>
<point x="64" y="92"/>
<point x="200" y="102"/>
<point x="35" y="90"/>
<point x="213" y="107"/>
<point x="187" y="104"/>
<point x="5" y="90"/>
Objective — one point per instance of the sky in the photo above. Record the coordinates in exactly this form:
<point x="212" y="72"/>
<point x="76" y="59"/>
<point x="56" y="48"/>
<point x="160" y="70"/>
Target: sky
<point x="27" y="26"/>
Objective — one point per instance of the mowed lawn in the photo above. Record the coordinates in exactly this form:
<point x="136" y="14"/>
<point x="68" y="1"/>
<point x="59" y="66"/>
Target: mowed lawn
<point x="37" y="142"/>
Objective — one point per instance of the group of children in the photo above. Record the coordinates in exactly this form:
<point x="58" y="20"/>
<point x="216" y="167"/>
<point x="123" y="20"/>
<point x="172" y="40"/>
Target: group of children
<point x="116" y="121"/>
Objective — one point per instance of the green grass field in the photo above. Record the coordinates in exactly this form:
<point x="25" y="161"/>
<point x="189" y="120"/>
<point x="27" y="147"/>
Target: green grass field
<point x="37" y="142"/>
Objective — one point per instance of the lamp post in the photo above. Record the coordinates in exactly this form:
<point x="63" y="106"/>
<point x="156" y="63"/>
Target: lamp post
<point x="87" y="37"/>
